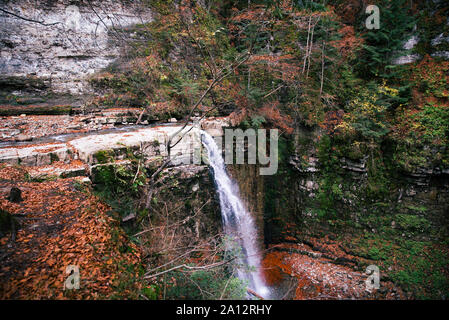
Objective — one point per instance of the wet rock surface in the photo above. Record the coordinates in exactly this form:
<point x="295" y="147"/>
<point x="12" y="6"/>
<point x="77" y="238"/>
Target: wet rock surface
<point x="300" y="272"/>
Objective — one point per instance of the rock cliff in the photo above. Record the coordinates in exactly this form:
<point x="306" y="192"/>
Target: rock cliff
<point x="54" y="46"/>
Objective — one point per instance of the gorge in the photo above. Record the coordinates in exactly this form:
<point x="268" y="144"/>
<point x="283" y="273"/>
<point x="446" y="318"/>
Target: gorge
<point x="109" y="113"/>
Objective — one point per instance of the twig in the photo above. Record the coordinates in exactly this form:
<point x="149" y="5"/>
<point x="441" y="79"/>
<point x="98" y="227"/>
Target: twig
<point x="221" y="75"/>
<point x="137" y="173"/>
<point x="184" y="266"/>
<point x="140" y="116"/>
<point x="27" y="19"/>
<point x="174" y="224"/>
<point x="175" y="259"/>
<point x="226" y="285"/>
<point x="307" y="45"/>
<point x="151" y="183"/>
<point x="273" y="91"/>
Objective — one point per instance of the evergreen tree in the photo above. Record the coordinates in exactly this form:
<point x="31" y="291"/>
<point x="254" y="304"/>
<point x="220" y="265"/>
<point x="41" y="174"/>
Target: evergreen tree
<point x="385" y="44"/>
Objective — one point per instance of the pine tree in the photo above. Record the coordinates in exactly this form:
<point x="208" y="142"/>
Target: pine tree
<point x="383" y="45"/>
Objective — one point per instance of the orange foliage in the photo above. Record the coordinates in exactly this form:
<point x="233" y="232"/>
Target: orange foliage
<point x="12" y="172"/>
<point x="238" y="116"/>
<point x="331" y="120"/>
<point x="255" y="13"/>
<point x="274" y="268"/>
<point x="283" y="67"/>
<point x="349" y="43"/>
<point x="270" y="111"/>
<point x="63" y="227"/>
<point x="349" y="10"/>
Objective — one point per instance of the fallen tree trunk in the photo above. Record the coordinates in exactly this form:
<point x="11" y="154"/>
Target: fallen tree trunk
<point x="8" y="110"/>
<point x="254" y="293"/>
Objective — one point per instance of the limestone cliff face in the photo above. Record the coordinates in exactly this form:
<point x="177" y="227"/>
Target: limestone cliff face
<point x="300" y="191"/>
<point x="55" y="45"/>
<point x="251" y="187"/>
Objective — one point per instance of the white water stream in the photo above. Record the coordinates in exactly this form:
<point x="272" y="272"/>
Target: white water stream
<point x="237" y="221"/>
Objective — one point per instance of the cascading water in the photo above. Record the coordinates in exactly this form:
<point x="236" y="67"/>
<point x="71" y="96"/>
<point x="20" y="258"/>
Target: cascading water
<point x="237" y="222"/>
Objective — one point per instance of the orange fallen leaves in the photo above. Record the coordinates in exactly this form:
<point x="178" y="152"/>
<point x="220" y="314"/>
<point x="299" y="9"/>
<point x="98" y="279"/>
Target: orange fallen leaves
<point x="62" y="227"/>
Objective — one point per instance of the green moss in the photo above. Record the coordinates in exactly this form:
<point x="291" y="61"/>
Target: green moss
<point x="152" y="292"/>
<point x="376" y="254"/>
<point x="422" y="270"/>
<point x="433" y="123"/>
<point x="53" y="157"/>
<point x="104" y="156"/>
<point x="412" y="223"/>
<point x="44" y="178"/>
<point x="105" y="175"/>
<point x="418" y="267"/>
<point x="420" y="209"/>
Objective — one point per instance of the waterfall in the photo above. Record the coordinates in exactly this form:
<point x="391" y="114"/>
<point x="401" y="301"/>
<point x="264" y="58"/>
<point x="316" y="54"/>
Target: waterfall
<point x="237" y="221"/>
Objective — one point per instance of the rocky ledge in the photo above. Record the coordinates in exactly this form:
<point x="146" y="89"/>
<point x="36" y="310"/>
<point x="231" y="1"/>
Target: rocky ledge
<point x="80" y="153"/>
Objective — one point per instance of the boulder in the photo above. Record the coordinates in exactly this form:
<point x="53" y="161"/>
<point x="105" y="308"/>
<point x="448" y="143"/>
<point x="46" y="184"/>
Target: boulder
<point x="214" y="126"/>
<point x="15" y="195"/>
<point x="23" y="137"/>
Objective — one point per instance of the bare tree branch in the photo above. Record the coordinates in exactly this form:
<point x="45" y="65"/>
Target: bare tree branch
<point x="29" y="20"/>
<point x="220" y="76"/>
<point x="190" y="268"/>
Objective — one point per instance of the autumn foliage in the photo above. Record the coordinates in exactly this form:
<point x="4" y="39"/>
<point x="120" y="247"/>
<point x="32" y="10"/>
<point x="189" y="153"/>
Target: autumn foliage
<point x="58" y="226"/>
